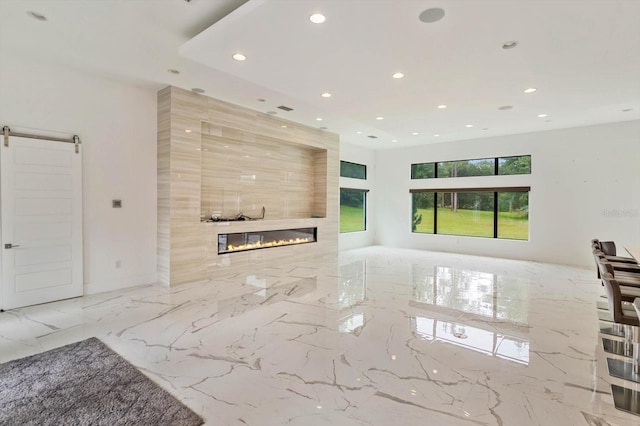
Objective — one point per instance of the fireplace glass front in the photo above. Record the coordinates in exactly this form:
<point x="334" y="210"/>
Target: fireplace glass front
<point x="243" y="241"/>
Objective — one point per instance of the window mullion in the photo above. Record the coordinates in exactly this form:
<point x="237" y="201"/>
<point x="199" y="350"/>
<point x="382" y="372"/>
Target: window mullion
<point x="495" y="215"/>
<point x="435" y="212"/>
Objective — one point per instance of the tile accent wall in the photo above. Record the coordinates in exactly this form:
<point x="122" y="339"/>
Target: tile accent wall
<point x="242" y="172"/>
<point x="215" y="157"/>
<point x="164" y="154"/>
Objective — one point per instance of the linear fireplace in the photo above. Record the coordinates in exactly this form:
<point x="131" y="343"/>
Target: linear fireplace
<point x="243" y="241"/>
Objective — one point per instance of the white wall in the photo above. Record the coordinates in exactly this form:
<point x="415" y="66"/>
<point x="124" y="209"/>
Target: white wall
<point x="117" y="125"/>
<point x="585" y="184"/>
<point x="355" y="154"/>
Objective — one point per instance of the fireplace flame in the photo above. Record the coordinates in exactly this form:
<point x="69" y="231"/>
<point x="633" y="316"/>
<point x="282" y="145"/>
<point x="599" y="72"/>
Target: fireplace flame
<point x="259" y="244"/>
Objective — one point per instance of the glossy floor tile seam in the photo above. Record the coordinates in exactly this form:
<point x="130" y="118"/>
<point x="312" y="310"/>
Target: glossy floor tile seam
<point x="368" y="336"/>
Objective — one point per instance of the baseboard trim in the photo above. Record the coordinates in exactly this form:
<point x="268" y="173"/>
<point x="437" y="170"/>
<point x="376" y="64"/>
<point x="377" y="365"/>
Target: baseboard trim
<point x="120" y="283"/>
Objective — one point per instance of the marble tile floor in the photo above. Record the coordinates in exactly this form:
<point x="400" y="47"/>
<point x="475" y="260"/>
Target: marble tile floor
<point x="373" y="336"/>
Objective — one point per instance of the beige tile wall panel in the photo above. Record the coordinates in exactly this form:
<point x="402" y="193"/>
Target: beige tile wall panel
<point x="164" y="149"/>
<point x="242" y="177"/>
<point x="319" y="206"/>
<point x="237" y="160"/>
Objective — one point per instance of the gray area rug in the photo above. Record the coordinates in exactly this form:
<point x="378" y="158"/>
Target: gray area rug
<point x="84" y="383"/>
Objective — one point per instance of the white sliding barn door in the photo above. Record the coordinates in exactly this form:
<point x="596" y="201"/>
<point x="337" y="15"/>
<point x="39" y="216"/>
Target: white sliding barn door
<point x="41" y="215"/>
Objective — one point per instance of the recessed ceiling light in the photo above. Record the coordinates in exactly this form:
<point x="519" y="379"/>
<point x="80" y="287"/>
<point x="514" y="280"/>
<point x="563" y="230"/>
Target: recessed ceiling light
<point x="317" y="18"/>
<point x="239" y="57"/>
<point x="468" y="125"/>
<point x="436" y="135"/>
<point x="323" y="128"/>
<point x="319" y="119"/>
<point x="394" y="140"/>
<point x="442" y="106"/>
<point x="415" y="133"/>
<point x="530" y="90"/>
<point x="197" y="90"/>
<point x="627" y="110"/>
<point x="431" y="15"/>
<point x="283" y="126"/>
<point x="272" y="113"/>
<point x="172" y="71"/>
<point x="379" y="118"/>
<point x="36" y="15"/>
<point x="326" y="95"/>
<point x="509" y="45"/>
<point x="359" y="133"/>
<point x="398" y="75"/>
<point x="187" y="130"/>
<point x="261" y="100"/>
<point x="505" y="107"/>
<point x="542" y="115"/>
<point x="485" y="128"/>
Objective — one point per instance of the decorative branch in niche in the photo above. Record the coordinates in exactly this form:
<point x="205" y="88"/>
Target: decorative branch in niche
<point x="239" y="217"/>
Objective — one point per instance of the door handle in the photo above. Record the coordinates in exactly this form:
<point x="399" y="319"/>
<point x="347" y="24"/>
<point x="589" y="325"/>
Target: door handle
<point x="9" y="246"/>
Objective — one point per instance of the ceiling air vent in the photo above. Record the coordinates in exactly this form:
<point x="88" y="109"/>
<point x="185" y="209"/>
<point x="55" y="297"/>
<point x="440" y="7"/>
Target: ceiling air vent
<point x="285" y="108"/>
<point x="373" y="137"/>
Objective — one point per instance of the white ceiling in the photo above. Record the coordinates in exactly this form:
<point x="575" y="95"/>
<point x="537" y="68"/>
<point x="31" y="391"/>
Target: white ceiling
<point x="582" y="56"/>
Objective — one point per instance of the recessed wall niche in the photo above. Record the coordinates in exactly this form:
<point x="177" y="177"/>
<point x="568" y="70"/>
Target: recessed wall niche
<point x="242" y="172"/>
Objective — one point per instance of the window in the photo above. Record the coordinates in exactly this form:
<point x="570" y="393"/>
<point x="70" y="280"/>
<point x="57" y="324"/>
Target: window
<point x="353" y="170"/>
<point x="513" y="215"/>
<point x="423" y="212"/>
<point x="353" y="202"/>
<point x="465" y="213"/>
<point x="353" y="208"/>
<point x="520" y="165"/>
<point x="475" y="212"/>
<point x="516" y="165"/>
<point x="465" y="168"/>
<point x="423" y="171"/>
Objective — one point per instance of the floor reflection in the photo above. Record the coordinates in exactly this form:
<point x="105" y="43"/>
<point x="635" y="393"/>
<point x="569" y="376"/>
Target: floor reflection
<point x="480" y="293"/>
<point x="352" y="290"/>
<point x="351" y="324"/>
<point x="267" y="296"/>
<point x="352" y="287"/>
<point x="477" y="339"/>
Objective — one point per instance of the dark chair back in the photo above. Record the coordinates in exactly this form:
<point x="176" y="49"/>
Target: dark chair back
<point x="614" y="297"/>
<point x="598" y="256"/>
<point x="608" y="248"/>
<point x="605" y="268"/>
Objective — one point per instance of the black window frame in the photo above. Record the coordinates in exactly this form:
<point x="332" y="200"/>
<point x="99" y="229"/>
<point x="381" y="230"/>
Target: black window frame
<point x="365" y="222"/>
<point x="496" y="168"/>
<point x="364" y="166"/>
<point x="512" y="156"/>
<point x="495" y="191"/>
